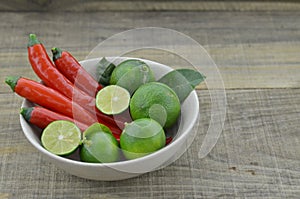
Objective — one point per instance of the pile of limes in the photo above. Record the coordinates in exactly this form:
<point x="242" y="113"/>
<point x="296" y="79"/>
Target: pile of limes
<point x="153" y="107"/>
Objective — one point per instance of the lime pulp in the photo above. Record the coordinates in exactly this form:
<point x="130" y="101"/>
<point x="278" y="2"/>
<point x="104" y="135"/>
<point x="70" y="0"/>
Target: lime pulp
<point x="61" y="137"/>
<point x="112" y="99"/>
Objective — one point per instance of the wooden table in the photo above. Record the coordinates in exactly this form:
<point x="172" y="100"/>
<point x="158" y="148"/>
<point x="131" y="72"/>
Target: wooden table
<point x="256" y="46"/>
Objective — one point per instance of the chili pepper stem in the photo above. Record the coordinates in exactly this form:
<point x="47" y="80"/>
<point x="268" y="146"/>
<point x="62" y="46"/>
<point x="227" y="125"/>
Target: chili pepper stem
<point x="12" y="81"/>
<point x="26" y="113"/>
<point x="56" y="53"/>
<point x="33" y="40"/>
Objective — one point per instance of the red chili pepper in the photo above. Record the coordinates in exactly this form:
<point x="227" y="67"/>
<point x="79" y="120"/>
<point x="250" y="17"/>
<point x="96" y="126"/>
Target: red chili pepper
<point x="169" y="140"/>
<point x="45" y="69"/>
<point x="49" y="74"/>
<point x="72" y="70"/>
<point x="42" y="117"/>
<point x="49" y="98"/>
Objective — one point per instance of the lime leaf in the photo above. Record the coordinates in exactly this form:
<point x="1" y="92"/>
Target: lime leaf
<point x="104" y="71"/>
<point x="192" y="76"/>
<point x="182" y="81"/>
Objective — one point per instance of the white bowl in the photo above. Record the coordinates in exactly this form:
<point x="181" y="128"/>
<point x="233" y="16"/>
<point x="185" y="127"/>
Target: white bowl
<point x="185" y="134"/>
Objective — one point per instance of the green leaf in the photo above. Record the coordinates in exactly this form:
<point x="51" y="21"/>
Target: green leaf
<point x="104" y="71"/>
<point x="182" y="81"/>
<point x="192" y="76"/>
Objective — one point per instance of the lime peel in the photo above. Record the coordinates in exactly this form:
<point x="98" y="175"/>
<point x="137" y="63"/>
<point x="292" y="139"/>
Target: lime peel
<point x="142" y="137"/>
<point x="157" y="101"/>
<point x="131" y="74"/>
<point x="99" y="145"/>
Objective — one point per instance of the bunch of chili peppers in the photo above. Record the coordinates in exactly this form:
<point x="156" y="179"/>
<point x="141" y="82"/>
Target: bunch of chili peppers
<point x="67" y="91"/>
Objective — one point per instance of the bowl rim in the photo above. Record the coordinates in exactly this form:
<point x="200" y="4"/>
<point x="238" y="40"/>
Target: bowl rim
<point x="174" y="142"/>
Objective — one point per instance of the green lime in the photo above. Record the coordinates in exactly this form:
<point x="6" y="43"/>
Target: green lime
<point x="61" y="137"/>
<point x="142" y="137"/>
<point x="99" y="145"/>
<point x="157" y="101"/>
<point x="131" y="74"/>
<point x="112" y="99"/>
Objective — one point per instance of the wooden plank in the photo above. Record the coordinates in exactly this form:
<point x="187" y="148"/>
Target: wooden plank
<point x="251" y="67"/>
<point x="256" y="156"/>
<point x="251" y="50"/>
<point x="207" y="28"/>
<point x="146" y="5"/>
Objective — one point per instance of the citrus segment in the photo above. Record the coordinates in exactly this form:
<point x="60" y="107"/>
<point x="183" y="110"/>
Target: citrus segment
<point x="61" y="137"/>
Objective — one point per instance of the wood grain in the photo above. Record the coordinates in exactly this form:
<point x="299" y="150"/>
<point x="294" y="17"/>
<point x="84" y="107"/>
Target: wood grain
<point x="257" y="155"/>
<point x="256" y="47"/>
<point x="251" y="50"/>
<point x="146" y="5"/>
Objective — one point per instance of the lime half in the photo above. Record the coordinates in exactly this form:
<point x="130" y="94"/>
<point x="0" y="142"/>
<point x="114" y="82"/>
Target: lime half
<point x="112" y="99"/>
<point x="61" y="137"/>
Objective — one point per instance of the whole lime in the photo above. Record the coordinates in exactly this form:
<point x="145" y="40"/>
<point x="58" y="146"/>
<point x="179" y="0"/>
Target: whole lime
<point x="99" y="145"/>
<point x="157" y="101"/>
<point x="142" y="137"/>
<point x="131" y="74"/>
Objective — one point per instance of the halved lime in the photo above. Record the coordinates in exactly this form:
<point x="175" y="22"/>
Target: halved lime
<point x="61" y="137"/>
<point x="112" y="99"/>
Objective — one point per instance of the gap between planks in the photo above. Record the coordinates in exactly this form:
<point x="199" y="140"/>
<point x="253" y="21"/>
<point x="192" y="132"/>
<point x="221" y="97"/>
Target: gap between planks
<point x="146" y="5"/>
